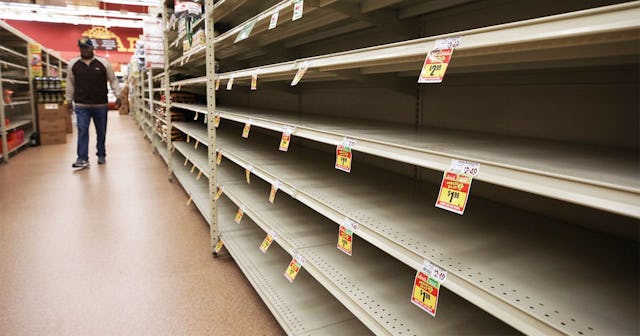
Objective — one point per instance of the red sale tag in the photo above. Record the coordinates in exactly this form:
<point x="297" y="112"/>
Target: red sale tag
<point x="216" y="121"/>
<point x="245" y="130"/>
<point x="343" y="158"/>
<point x="218" y="246"/>
<point x="425" y="293"/>
<point x="454" y="192"/>
<point x="435" y="66"/>
<point x="254" y="82"/>
<point x="345" y="240"/>
<point x="294" y="268"/>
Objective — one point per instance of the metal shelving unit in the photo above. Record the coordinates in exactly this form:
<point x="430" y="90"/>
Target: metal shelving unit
<point x="521" y="258"/>
<point x="15" y="74"/>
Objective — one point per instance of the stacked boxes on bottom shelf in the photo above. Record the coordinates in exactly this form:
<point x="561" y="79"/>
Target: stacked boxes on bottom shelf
<point x="52" y="123"/>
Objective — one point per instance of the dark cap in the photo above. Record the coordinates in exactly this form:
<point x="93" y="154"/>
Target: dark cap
<point x="85" y="42"/>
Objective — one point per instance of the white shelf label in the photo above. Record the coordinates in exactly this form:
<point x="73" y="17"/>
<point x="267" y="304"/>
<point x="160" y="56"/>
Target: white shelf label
<point x="245" y="32"/>
<point x="274" y="19"/>
<point x="448" y="43"/>
<point x="465" y="167"/>
<point x="350" y="224"/>
<point x="298" y="8"/>
<point x="348" y="142"/>
<point x="434" y="271"/>
<point x="230" y="83"/>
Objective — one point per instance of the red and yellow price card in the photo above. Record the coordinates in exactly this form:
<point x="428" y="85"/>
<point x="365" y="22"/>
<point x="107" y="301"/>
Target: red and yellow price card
<point x="218" y="246"/>
<point x="239" y="215"/>
<point x="267" y="242"/>
<point x="294" y="268"/>
<point x="217" y="194"/>
<point x="285" y="140"/>
<point x="216" y="121"/>
<point x="254" y="81"/>
<point x="425" y="293"/>
<point x="301" y="71"/>
<point x="219" y="158"/>
<point x="435" y="66"/>
<point x="274" y="189"/>
<point x="454" y="192"/>
<point x="245" y="131"/>
<point x="247" y="174"/>
<point x="230" y="83"/>
<point x="217" y="84"/>
<point x="345" y="240"/>
<point x="343" y="158"/>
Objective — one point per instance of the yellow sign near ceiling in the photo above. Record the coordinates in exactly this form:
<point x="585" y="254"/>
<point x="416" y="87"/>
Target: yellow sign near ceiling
<point x="104" y="39"/>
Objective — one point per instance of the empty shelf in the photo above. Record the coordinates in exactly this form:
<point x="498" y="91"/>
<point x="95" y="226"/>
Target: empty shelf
<point x="605" y="179"/>
<point x="484" y="250"/>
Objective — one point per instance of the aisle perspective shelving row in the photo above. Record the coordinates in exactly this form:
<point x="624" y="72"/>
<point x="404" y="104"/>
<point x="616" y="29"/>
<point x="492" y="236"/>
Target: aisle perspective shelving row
<point x="532" y="190"/>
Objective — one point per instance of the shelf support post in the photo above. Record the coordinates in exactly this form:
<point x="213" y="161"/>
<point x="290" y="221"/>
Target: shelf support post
<point x="211" y="107"/>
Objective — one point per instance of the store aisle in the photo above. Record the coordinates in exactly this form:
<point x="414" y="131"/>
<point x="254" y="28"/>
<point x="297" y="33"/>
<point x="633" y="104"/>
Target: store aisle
<point x="113" y="249"/>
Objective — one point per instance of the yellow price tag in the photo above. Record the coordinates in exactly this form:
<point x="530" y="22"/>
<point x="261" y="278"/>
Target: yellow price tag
<point x="239" y="215"/>
<point x="343" y="158"/>
<point x="230" y="83"/>
<point x="293" y="269"/>
<point x="454" y="192"/>
<point x="266" y="243"/>
<point x="284" y="142"/>
<point x="217" y="194"/>
<point x="216" y="121"/>
<point x="185" y="162"/>
<point x="247" y="175"/>
<point x="254" y="82"/>
<point x="425" y="293"/>
<point x="218" y="246"/>
<point x="199" y="175"/>
<point x="188" y="138"/>
<point x="217" y="84"/>
<point x="193" y="168"/>
<point x="274" y="190"/>
<point x="301" y="71"/>
<point x="245" y="131"/>
<point x="189" y="200"/>
<point x="219" y="158"/>
<point x="345" y="240"/>
<point x="196" y="145"/>
<point x="435" y="66"/>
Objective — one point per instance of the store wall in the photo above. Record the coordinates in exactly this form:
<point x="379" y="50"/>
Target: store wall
<point x="64" y="37"/>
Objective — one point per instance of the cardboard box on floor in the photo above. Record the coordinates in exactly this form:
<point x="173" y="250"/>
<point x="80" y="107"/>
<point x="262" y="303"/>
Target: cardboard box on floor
<point x="52" y="111"/>
<point x="53" y="138"/>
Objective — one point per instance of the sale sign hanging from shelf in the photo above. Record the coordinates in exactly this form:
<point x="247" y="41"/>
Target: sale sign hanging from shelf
<point x="274" y="189"/>
<point x="345" y="236"/>
<point x="239" y="215"/>
<point x="217" y="84"/>
<point x="344" y="155"/>
<point x="298" y="8"/>
<point x="302" y="69"/>
<point x="246" y="129"/>
<point x="230" y="83"/>
<point x="254" y="81"/>
<point x="286" y="139"/>
<point x="216" y="121"/>
<point x="454" y="192"/>
<point x="218" y="246"/>
<point x="437" y="61"/>
<point x="425" y="293"/>
<point x="267" y="241"/>
<point x="274" y="19"/>
<point x="294" y="267"/>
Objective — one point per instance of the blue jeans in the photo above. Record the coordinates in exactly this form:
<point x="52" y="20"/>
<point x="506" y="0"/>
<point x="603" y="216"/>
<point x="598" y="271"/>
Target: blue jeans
<point x="83" y="116"/>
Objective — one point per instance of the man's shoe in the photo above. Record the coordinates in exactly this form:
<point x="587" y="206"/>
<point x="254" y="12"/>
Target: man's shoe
<point x="81" y="164"/>
<point x="102" y="160"/>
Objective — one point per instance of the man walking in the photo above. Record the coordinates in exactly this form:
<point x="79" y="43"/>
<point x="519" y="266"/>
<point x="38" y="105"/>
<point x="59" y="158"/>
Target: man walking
<point x="87" y="78"/>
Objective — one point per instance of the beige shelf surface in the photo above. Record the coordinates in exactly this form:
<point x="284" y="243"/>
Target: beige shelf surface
<point x="484" y="250"/>
<point x="601" y="178"/>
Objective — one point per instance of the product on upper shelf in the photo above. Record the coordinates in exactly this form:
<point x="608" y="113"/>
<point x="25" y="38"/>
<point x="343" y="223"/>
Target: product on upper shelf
<point x="7" y="96"/>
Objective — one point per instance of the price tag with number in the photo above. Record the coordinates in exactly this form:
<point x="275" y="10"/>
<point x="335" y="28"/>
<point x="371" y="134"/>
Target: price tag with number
<point x="465" y="167"/>
<point x="448" y="43"/>
<point x="217" y="84"/>
<point x="218" y="193"/>
<point x="301" y="71"/>
<point x="274" y="20"/>
<point x="286" y="139"/>
<point x="294" y="268"/>
<point x="216" y="121"/>
<point x="274" y="189"/>
<point x="246" y="129"/>
<point x="343" y="158"/>
<point x="267" y="241"/>
<point x="425" y="293"/>
<point x="454" y="192"/>
<point x="345" y="240"/>
<point x="298" y="8"/>
<point x="247" y="174"/>
<point x="239" y="215"/>
<point x="230" y="83"/>
<point x="218" y="246"/>
<point x="219" y="158"/>
<point x="435" y="66"/>
<point x="254" y="81"/>
<point x="434" y="271"/>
